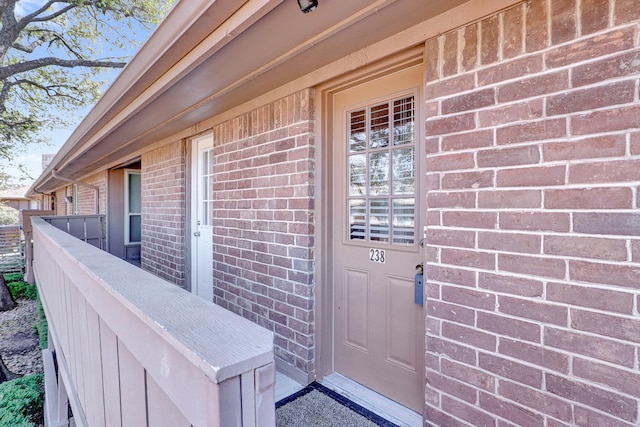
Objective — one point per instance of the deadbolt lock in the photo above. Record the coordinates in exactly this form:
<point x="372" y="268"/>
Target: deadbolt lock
<point x="419" y="285"/>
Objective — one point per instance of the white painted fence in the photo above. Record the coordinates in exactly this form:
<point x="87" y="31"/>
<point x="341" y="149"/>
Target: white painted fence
<point x="135" y="350"/>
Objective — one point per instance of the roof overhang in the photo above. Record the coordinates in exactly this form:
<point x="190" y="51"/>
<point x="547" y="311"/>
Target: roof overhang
<point x="15" y="194"/>
<point x="208" y="56"/>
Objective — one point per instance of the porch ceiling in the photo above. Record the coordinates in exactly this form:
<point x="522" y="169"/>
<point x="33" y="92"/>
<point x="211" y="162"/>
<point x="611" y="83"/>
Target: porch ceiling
<point x="209" y="56"/>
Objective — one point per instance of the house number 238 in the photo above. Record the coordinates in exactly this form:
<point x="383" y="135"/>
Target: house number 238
<point x="376" y="255"/>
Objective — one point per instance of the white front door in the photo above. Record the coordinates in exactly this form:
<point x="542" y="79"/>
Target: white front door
<point x="378" y="327"/>
<point x="202" y="218"/>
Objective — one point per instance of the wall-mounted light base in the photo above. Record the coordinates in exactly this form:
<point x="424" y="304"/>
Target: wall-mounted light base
<point x="307" y="6"/>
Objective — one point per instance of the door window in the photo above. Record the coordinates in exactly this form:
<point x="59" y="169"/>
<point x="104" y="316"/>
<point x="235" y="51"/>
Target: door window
<point x="206" y="198"/>
<point x="133" y="207"/>
<point x="382" y="172"/>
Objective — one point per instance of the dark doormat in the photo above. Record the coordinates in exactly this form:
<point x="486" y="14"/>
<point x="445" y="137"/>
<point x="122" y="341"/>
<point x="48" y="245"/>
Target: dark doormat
<point x="318" y="406"/>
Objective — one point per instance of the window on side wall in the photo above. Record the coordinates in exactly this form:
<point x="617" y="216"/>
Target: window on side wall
<point x="132" y="207"/>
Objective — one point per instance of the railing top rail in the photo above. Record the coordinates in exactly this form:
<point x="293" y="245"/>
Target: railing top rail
<point x="221" y="343"/>
<point x="72" y="216"/>
<point x="9" y="227"/>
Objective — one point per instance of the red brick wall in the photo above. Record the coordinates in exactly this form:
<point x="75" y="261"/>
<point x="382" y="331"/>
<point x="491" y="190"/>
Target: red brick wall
<point x="62" y="207"/>
<point x="533" y="273"/>
<point x="264" y="222"/>
<point x="87" y="196"/>
<point x="164" y="212"/>
<point x="59" y="201"/>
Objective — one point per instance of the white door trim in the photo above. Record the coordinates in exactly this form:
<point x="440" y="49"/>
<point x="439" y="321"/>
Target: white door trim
<point x="200" y="235"/>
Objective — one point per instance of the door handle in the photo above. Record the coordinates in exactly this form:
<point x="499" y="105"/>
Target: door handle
<point x="197" y="234"/>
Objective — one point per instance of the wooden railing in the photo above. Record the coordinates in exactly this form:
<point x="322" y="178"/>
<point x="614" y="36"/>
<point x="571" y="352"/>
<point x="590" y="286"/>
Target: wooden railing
<point x="11" y="259"/>
<point x="27" y="231"/>
<point x="135" y="350"/>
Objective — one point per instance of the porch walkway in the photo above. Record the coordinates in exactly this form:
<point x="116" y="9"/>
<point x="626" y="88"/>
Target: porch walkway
<point x="364" y="397"/>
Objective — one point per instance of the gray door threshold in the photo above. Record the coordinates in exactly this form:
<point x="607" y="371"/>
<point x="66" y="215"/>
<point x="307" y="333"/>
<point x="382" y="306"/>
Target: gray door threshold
<point x="375" y="402"/>
<point x="369" y="399"/>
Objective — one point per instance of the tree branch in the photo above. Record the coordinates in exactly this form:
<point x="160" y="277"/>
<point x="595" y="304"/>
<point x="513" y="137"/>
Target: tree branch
<point x="53" y="15"/>
<point x="52" y="91"/>
<point x="4" y="94"/>
<point x="10" y="29"/>
<point x="61" y="39"/>
<point x="8" y="17"/>
<point x="36" y="90"/>
<point x="30" y="17"/>
<point x="32" y="46"/>
<point x="13" y="69"/>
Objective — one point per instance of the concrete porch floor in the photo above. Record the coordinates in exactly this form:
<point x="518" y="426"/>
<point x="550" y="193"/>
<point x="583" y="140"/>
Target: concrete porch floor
<point x="359" y="394"/>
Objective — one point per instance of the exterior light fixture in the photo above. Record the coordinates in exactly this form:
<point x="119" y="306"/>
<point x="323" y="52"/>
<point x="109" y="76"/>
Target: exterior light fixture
<point x="69" y="199"/>
<point x="307" y="6"/>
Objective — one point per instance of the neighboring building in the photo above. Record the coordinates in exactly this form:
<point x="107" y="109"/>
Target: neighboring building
<point x="17" y="199"/>
<point x="296" y="168"/>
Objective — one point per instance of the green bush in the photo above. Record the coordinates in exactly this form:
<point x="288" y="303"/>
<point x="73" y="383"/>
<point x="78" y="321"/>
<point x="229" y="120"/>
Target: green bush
<point x="23" y="290"/>
<point x="43" y="333"/>
<point x="8" y="215"/>
<point x="40" y="308"/>
<point x="13" y="277"/>
<point x="21" y="401"/>
<point x="41" y="327"/>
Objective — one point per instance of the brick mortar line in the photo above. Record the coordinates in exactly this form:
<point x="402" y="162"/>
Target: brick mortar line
<point x="540" y="143"/>
<point x="504" y="273"/>
<point x="628" y="262"/>
<point x="524" y="362"/>
<point x="544" y="117"/>
<point x="541" y="255"/>
<point x="628" y="133"/>
<point x="543" y="325"/>
<point x="541" y="390"/>
<point x="221" y="142"/>
<point x="545" y="283"/>
<point x="542" y="52"/>
<point x="545" y="301"/>
<point x="563" y="186"/>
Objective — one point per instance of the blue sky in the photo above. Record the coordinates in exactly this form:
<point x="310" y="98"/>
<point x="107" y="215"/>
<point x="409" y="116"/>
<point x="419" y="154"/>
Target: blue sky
<point x="31" y="159"/>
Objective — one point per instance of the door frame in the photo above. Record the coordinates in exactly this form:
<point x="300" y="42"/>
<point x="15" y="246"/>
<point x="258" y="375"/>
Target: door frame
<point x="324" y="181"/>
<point x="191" y="202"/>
